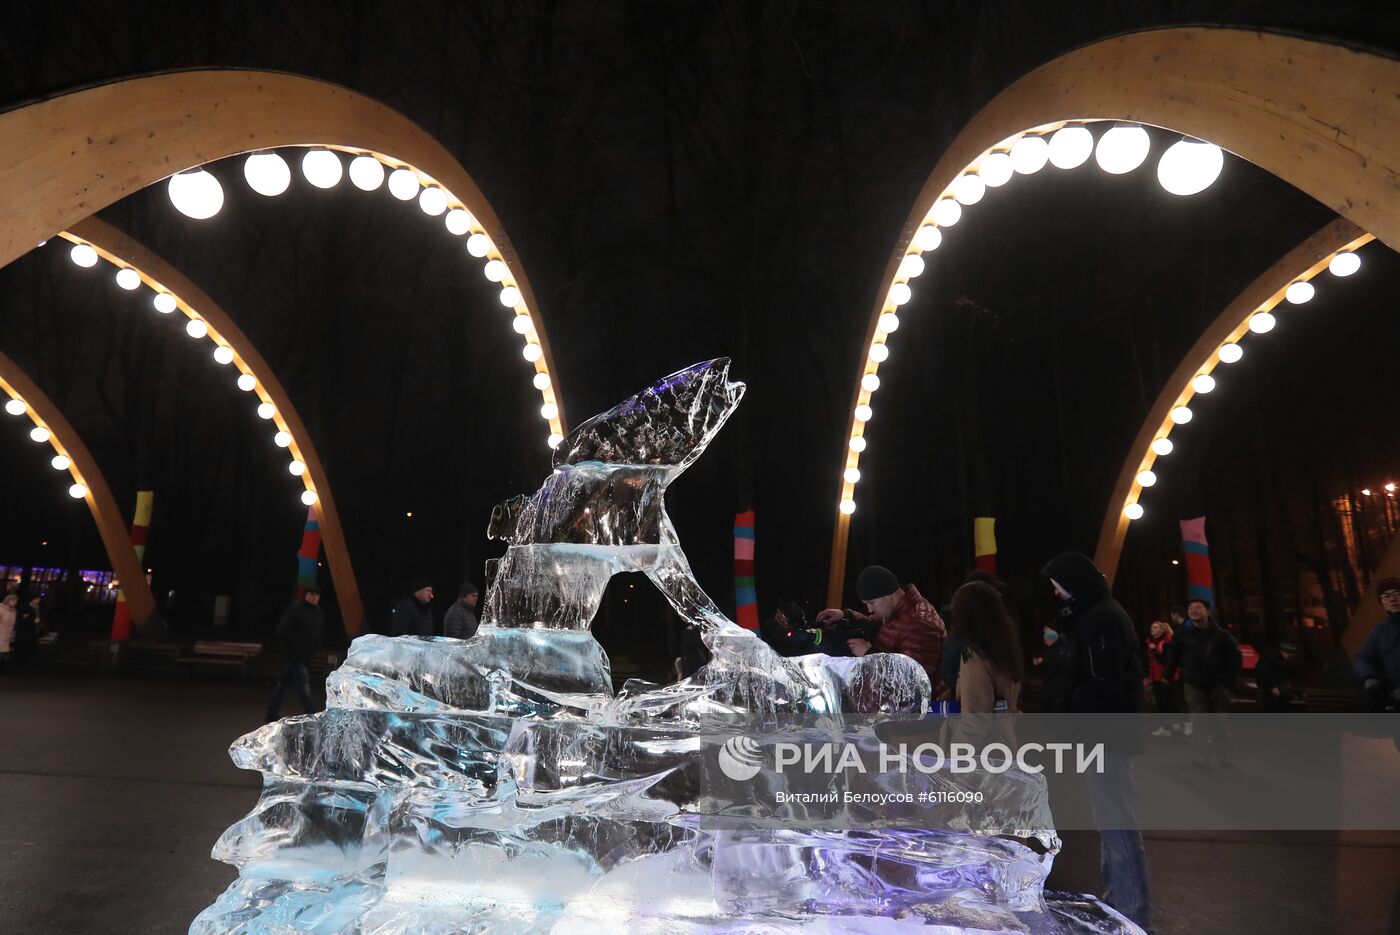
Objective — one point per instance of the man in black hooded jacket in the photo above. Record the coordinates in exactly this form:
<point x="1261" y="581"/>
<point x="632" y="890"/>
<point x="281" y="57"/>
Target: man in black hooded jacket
<point x="1104" y="676"/>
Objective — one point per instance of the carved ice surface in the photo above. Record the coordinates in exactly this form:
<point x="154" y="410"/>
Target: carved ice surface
<point x="499" y="785"/>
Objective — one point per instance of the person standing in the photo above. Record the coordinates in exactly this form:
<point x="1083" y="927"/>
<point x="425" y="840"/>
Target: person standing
<point x="1159" y="639"/>
<point x="413" y="616"/>
<point x="1104" y="675"/>
<point x="8" y="613"/>
<point x="460" y="621"/>
<point x="990" y="676"/>
<point x="1051" y="662"/>
<point x="907" y="623"/>
<point x="1208" y="659"/>
<point x="1377" y="665"/>
<point x="300" y="630"/>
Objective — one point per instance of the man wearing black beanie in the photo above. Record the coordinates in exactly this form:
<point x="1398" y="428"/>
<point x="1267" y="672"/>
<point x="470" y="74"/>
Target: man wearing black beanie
<point x="903" y="620"/>
<point x="413" y="616"/>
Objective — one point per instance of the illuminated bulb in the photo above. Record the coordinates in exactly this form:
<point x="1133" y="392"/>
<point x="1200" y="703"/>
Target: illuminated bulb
<point x="1299" y="292"/>
<point x="1181" y="415"/>
<point x="16" y="407"/>
<point x="433" y="201"/>
<point x="912" y="266"/>
<point x="1344" y="264"/>
<point x="996" y="169"/>
<point x="1146" y="478"/>
<point x="554" y="439"/>
<point x="870" y="383"/>
<point x="879" y="353"/>
<point x="900" y="293"/>
<point x="478" y="245"/>
<point x="1262" y="323"/>
<point x="549" y="412"/>
<point x="946" y="212"/>
<point x="296" y="468"/>
<point x="1203" y="383"/>
<point x="366" y="173"/>
<point x="1162" y="447"/>
<point x="282" y="440"/>
<point x="322" y="168"/>
<point x="852" y="475"/>
<point x="223" y="354"/>
<point x="928" y="238"/>
<point x="1029" y="154"/>
<point x="541" y="381"/>
<point x="266" y="410"/>
<point x="77" y="491"/>
<point x="510" y="297"/>
<point x="195" y="194"/>
<point x="246" y="382"/>
<point x="1133" y="511"/>
<point x="1230" y="353"/>
<point x="164" y="302"/>
<point x="863" y="413"/>
<point x="39" y="434"/>
<point x="1070" y="147"/>
<point x="969" y="189"/>
<point x="458" y="221"/>
<point x="308" y="497"/>
<point x="889" y="323"/>
<point x="495" y="270"/>
<point x="1122" y="149"/>
<point x="403" y="184"/>
<point x="60" y="463"/>
<point x="857" y="444"/>
<point x="532" y="352"/>
<point x="1189" y="167"/>
<point x="128" y="279"/>
<point x="196" y="328"/>
<point x="848" y="506"/>
<point x="267" y="174"/>
<point x="521" y="324"/>
<point x="83" y="255"/>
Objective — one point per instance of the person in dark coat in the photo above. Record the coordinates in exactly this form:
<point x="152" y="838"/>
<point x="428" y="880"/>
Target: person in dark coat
<point x="1104" y="675"/>
<point x="1271" y="674"/>
<point x="413" y="616"/>
<point x="1051" y="664"/>
<point x="460" y="622"/>
<point x="1208" y="658"/>
<point x="1377" y="665"/>
<point x="300" y="630"/>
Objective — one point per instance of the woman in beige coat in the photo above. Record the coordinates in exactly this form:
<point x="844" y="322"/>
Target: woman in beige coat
<point x="992" y="670"/>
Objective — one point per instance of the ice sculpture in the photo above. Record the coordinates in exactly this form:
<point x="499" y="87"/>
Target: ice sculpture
<point x="499" y="785"/>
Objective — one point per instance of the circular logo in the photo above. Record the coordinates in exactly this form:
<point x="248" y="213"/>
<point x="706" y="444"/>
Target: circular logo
<point x="741" y="758"/>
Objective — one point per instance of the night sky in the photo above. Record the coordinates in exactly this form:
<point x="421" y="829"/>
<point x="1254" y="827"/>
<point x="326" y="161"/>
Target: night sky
<point x="685" y="181"/>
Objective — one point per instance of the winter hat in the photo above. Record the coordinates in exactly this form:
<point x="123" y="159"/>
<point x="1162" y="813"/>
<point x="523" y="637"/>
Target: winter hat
<point x="467" y="589"/>
<point x="876" y="582"/>
<point x="1387" y="584"/>
<point x="418" y="585"/>
<point x="312" y="589"/>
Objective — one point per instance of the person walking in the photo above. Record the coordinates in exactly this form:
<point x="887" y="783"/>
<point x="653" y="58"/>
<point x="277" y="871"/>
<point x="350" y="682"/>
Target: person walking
<point x="1377" y="665"/>
<point x="903" y="621"/>
<point x="1104" y="675"/>
<point x="1159" y="639"/>
<point x="992" y="669"/>
<point x="460" y="622"/>
<point x="1208" y="658"/>
<point x="300" y="630"/>
<point x="413" y="616"/>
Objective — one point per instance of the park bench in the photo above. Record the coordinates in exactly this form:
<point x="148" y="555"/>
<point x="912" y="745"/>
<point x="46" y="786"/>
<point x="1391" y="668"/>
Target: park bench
<point x="152" y="656"/>
<point x="227" y="656"/>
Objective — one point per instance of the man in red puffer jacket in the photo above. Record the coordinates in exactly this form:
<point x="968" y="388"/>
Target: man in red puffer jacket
<point x="907" y="624"/>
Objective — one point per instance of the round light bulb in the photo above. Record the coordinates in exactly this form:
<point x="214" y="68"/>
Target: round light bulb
<point x="433" y="201"/>
<point x="128" y="279"/>
<point x="554" y="439"/>
<point x="864" y="413"/>
<point x="16" y="407"/>
<point x="928" y="238"/>
<point x="1181" y="415"/>
<point x="308" y="497"/>
<point x="366" y="173"/>
<point x="39" y="434"/>
<point x="946" y="212"/>
<point x="852" y="475"/>
<point x="247" y="382"/>
<point x="510" y="297"/>
<point x="857" y="444"/>
<point x="403" y="184"/>
<point x="1262" y="323"/>
<point x="322" y="168"/>
<point x="900" y="293"/>
<point x="267" y="174"/>
<point x="969" y="189"/>
<point x="266" y="410"/>
<point x="912" y="266"/>
<point x="296" y="468"/>
<point x="1162" y="447"/>
<point x="996" y="169"/>
<point x="889" y="323"/>
<point x="1029" y="154"/>
<point x="1230" y="353"/>
<point x="83" y="255"/>
<point x="1204" y="383"/>
<point x="1133" y="511"/>
<point x="196" y="328"/>
<point x="549" y="412"/>
<point x="77" y="491"/>
<point x="495" y="270"/>
<point x="532" y="352"/>
<point x="282" y="440"/>
<point x="879" y="353"/>
<point x="60" y="463"/>
<point x="478" y="245"/>
<point x="1299" y="292"/>
<point x="223" y="354"/>
<point x="195" y="194"/>
<point x="1070" y="147"/>
<point x="1189" y="167"/>
<point x="165" y="303"/>
<point x="521" y="324"/>
<point x="870" y="383"/>
<point x="1146" y="478"/>
<point x="541" y="381"/>
<point x="848" y="506"/>
<point x="1344" y="264"/>
<point x="458" y="221"/>
<point x="1122" y="149"/>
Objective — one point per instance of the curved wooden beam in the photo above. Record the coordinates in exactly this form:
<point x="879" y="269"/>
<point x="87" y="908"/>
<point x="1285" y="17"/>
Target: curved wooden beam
<point x="1303" y="262"/>
<point x="122" y="250"/>
<point x="69" y="157"/>
<point x="111" y="525"/>
<point x="1317" y="115"/>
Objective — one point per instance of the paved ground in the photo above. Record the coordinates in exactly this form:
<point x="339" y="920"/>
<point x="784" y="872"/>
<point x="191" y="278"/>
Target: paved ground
<point x="113" y="791"/>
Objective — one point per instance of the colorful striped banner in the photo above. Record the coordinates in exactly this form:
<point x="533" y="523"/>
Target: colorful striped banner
<point x="309" y="553"/>
<point x="745" y="593"/>
<point x="140" y="524"/>
<point x="1200" y="581"/>
<point x="984" y="542"/>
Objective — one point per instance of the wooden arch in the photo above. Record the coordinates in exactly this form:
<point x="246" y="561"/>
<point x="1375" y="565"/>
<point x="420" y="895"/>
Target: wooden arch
<point x="111" y="525"/>
<point x="1317" y="115"/>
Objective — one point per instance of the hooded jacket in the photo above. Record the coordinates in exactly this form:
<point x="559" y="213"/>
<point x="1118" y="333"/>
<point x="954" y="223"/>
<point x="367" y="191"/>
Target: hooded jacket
<point x="1103" y="674"/>
<point x="914" y="630"/>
